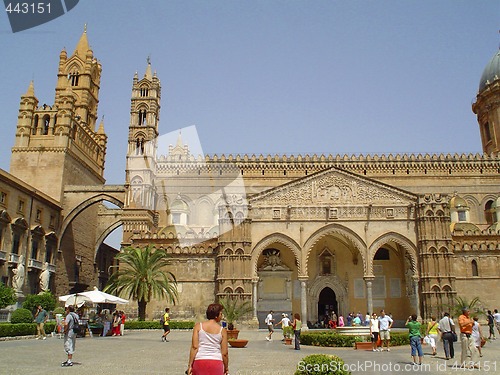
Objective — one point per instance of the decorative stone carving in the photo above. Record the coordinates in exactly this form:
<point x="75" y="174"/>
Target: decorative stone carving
<point x="44" y="278"/>
<point x="18" y="279"/>
<point x="272" y="261"/>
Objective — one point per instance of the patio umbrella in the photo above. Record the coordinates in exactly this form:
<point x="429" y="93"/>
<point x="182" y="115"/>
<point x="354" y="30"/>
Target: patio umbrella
<point x="97" y="296"/>
<point x="76" y="299"/>
<point x="94" y="296"/>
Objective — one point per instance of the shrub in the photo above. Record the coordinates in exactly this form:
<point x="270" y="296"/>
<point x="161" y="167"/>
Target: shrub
<point x="7" y="296"/>
<point x="21" y="316"/>
<point x="321" y="364"/>
<point x="46" y="299"/>
<point x="154" y="324"/>
<point x="333" y="339"/>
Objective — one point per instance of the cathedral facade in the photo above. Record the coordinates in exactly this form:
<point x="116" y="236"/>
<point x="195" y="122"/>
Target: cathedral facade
<point x="303" y="233"/>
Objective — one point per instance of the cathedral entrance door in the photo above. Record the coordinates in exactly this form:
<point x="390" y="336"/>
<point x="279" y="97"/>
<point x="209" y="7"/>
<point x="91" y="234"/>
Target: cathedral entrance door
<point x="327" y="303"/>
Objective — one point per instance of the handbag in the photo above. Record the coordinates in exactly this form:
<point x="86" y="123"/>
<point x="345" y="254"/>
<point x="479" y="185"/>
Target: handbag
<point x="427" y="340"/>
<point x="454" y="336"/>
<point x="483" y="341"/>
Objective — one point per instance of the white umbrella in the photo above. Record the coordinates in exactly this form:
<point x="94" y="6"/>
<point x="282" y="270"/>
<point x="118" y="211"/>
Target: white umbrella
<point x="94" y="296"/>
<point x="76" y="299"/>
<point x="97" y="296"/>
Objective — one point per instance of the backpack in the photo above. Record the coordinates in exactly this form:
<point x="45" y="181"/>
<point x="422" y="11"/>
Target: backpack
<point x="76" y="324"/>
<point x="162" y="320"/>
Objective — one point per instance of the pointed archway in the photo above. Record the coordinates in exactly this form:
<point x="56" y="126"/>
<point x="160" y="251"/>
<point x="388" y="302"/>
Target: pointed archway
<point x="327" y="303"/>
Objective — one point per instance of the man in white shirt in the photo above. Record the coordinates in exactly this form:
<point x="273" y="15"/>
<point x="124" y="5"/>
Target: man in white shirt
<point x="496" y="316"/>
<point x="385" y="324"/>
<point x="270" y="324"/>
<point x="285" y="322"/>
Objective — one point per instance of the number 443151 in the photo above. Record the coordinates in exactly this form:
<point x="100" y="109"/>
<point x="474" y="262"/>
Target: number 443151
<point x="25" y="8"/>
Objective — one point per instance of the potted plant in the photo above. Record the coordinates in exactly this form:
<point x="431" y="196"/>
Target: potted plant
<point x="288" y="332"/>
<point x="233" y="310"/>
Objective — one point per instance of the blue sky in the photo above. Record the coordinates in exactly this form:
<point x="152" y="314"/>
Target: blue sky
<point x="285" y="77"/>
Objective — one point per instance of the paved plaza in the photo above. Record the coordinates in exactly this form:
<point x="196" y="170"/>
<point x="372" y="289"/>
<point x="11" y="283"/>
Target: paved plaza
<point x="142" y="352"/>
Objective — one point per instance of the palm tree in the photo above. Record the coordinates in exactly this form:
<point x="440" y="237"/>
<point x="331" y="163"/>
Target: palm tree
<point x="142" y="276"/>
<point x="234" y="309"/>
<point x="474" y="306"/>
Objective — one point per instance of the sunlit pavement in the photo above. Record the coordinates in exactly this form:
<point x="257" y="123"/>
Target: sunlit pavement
<point x="142" y="352"/>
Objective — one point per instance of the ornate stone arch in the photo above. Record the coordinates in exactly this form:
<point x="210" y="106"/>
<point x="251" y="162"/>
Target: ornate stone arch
<point x="401" y="240"/>
<point x="84" y="205"/>
<point x="335" y="284"/>
<point x="346" y="233"/>
<point x="270" y="240"/>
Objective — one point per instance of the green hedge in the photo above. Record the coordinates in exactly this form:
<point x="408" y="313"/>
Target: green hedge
<point x="332" y="339"/>
<point x="155" y="324"/>
<point x="23" y="329"/>
<point x="27" y="329"/>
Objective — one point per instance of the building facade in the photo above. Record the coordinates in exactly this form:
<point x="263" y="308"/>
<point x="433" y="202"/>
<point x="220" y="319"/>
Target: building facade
<point x="302" y="233"/>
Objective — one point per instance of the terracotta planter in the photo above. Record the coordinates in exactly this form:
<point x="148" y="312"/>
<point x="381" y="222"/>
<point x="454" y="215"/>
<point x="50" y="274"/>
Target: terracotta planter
<point x="232" y="334"/>
<point x="363" y="345"/>
<point x="288" y="341"/>
<point x="238" y="343"/>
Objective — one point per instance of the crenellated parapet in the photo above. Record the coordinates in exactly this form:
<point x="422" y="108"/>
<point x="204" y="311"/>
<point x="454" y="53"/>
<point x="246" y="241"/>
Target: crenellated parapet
<point x="368" y="165"/>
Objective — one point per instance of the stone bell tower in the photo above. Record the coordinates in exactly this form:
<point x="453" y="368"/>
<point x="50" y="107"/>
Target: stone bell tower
<point x="140" y="201"/>
<point x="58" y="145"/>
<point x="487" y="106"/>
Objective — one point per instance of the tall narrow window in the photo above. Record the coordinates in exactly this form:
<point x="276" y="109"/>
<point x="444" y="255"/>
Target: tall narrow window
<point x="487" y="132"/>
<point x="489" y="215"/>
<point x="475" y="271"/>
<point x="35" y="125"/>
<point x="16" y="241"/>
<point x="48" y="252"/>
<point x="34" y="248"/>
<point x="73" y="78"/>
<point x="142" y="117"/>
<point x="46" y="124"/>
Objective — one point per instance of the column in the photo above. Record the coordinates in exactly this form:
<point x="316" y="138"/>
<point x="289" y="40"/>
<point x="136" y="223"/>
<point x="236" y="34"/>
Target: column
<point x="369" y="293"/>
<point x="416" y="295"/>
<point x="303" y="301"/>
<point x="254" y="297"/>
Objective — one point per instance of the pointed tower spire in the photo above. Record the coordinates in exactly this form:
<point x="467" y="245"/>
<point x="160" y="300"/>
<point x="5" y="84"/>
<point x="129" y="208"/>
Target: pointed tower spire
<point x="179" y="140"/>
<point x="31" y="89"/>
<point x="83" y="44"/>
<point x="148" y="73"/>
<point x="101" y="126"/>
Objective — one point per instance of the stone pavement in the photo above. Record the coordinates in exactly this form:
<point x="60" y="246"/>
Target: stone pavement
<point x="142" y="352"/>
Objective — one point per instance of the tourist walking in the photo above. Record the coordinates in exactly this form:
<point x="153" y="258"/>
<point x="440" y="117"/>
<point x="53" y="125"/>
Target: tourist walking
<point x="491" y="325"/>
<point x="470" y="354"/>
<point x="285" y="322"/>
<point x="385" y="324"/>
<point x="374" y="331"/>
<point x="297" y="326"/>
<point x="477" y="335"/>
<point x="415" y="340"/>
<point x="166" y="324"/>
<point x="433" y="334"/>
<point x="209" y="353"/>
<point x="447" y="329"/>
<point x="69" y="335"/>
<point x="41" y="317"/>
<point x="496" y="316"/>
<point x="117" y="321"/>
<point x="122" y="322"/>
<point x="270" y="325"/>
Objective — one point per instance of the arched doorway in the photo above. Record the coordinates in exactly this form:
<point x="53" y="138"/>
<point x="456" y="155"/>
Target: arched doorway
<point x="327" y="303"/>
